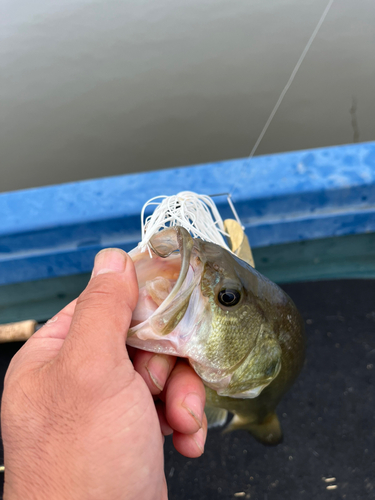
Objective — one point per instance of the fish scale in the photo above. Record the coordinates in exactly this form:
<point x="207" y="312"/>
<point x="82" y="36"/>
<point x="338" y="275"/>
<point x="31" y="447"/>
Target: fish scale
<point x="227" y="344"/>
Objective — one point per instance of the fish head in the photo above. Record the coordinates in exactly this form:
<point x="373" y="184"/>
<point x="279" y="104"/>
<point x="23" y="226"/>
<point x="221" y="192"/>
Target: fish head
<point x="241" y="348"/>
<point x="212" y="308"/>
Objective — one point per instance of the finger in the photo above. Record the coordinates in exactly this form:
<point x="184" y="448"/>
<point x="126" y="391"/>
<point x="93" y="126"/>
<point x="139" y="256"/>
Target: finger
<point x="184" y="399"/>
<point x="191" y="445"/>
<point x="58" y="326"/>
<point x="153" y="368"/>
<point x="45" y="344"/>
<point x="103" y="311"/>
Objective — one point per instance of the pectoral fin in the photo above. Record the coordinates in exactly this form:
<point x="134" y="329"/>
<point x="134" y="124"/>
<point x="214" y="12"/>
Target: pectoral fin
<point x="267" y="432"/>
<point x="216" y="417"/>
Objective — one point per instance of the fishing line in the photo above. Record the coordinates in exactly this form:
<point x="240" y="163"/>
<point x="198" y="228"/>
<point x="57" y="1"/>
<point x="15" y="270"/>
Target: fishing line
<point x="286" y="88"/>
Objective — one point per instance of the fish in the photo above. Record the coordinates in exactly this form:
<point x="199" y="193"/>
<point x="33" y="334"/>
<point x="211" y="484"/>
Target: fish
<point x="241" y="333"/>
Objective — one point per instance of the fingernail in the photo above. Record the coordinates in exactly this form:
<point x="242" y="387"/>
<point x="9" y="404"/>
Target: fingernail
<point x="109" y="260"/>
<point x="200" y="439"/>
<point x="194" y="406"/>
<point x="158" y="369"/>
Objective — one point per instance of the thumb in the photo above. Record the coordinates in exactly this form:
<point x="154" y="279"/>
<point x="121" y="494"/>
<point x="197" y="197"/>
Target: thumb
<point x="103" y="312"/>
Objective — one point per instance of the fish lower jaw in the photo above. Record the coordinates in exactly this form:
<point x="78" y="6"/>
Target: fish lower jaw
<point x="218" y="385"/>
<point x="250" y="394"/>
<point x="222" y="389"/>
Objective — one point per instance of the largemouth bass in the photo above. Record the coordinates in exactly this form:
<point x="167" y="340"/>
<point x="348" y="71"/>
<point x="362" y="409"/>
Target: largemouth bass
<point x="240" y="332"/>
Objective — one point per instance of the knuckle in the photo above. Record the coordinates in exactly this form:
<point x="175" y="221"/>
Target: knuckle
<point x="101" y="290"/>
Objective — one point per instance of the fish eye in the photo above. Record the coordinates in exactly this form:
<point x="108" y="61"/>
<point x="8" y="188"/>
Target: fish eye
<point x="229" y="297"/>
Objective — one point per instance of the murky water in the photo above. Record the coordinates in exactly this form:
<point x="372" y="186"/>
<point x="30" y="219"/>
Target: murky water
<point x="93" y="88"/>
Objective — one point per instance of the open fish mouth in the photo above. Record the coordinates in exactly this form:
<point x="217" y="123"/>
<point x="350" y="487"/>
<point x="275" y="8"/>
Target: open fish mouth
<point x="167" y="283"/>
<point x="175" y="315"/>
<point x="164" y="244"/>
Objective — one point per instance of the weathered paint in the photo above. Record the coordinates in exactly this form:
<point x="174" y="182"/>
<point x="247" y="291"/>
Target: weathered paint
<point x="56" y="231"/>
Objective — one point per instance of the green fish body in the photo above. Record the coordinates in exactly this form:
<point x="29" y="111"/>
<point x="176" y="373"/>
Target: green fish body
<point x="241" y="333"/>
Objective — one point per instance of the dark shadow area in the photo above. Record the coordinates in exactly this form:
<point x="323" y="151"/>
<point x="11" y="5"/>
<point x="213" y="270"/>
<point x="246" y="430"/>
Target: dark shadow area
<point x="328" y="416"/>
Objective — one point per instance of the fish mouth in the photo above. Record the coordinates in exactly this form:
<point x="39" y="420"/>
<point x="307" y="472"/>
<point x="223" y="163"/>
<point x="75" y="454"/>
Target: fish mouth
<point x="165" y="243"/>
<point x="166" y="280"/>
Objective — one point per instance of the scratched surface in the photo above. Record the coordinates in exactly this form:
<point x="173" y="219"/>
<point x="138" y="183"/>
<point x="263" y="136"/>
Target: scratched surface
<point x="328" y="417"/>
<point x="291" y="197"/>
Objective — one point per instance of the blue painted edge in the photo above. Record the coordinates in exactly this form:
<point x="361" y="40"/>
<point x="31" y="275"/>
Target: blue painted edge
<point x="56" y="230"/>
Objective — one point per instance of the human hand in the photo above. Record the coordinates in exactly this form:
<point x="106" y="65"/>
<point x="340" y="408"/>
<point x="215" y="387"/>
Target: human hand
<point x="79" y="419"/>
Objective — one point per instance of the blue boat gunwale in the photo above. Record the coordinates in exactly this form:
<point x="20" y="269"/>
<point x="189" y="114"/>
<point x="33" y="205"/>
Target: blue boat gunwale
<point x="55" y="231"/>
<point x="310" y="171"/>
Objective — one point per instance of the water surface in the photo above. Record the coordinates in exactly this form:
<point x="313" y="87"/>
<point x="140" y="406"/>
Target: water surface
<point x="93" y="88"/>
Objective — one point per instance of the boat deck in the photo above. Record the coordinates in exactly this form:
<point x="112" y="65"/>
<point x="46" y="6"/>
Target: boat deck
<point x="327" y="417"/>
